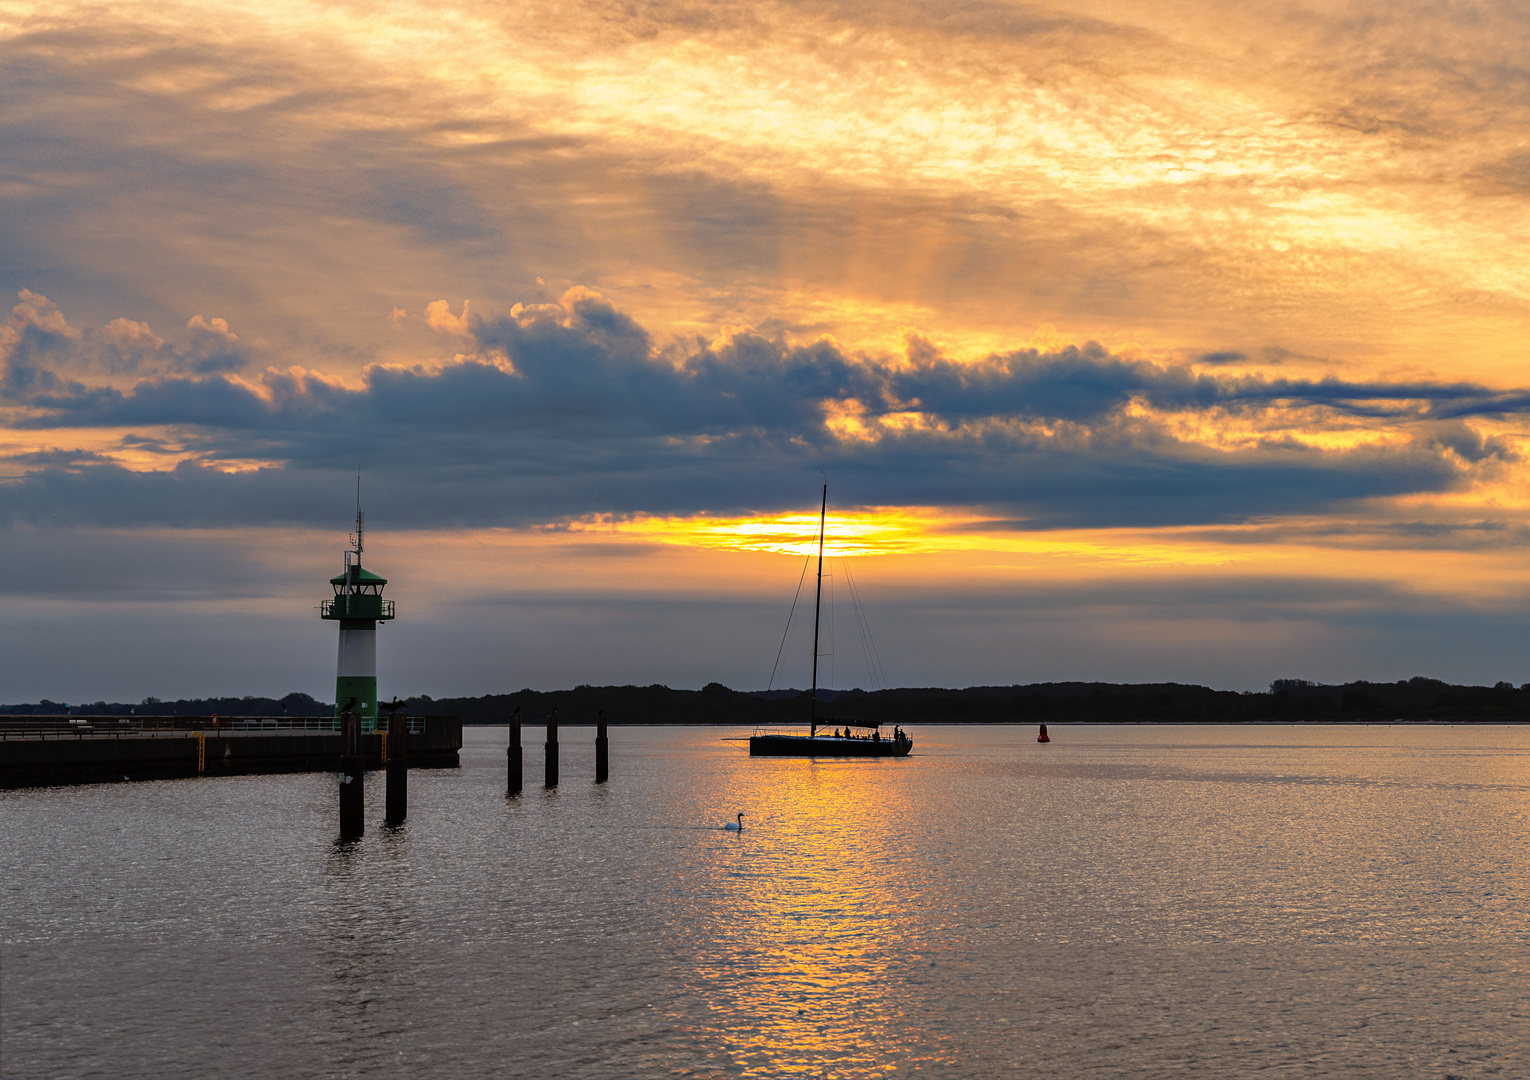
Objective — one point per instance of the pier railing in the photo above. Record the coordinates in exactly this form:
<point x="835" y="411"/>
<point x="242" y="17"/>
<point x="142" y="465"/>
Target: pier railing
<point x="79" y="727"/>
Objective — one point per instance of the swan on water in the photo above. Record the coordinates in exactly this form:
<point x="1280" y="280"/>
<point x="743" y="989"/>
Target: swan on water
<point x="736" y="826"/>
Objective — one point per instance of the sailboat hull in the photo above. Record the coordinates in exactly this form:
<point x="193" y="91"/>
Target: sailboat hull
<point x="826" y="746"/>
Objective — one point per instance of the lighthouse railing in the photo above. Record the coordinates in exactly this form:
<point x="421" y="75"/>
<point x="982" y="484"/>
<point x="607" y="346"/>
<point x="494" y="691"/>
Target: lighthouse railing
<point x="340" y="607"/>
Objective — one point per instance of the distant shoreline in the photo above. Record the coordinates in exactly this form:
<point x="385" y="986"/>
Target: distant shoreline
<point x="1288" y="701"/>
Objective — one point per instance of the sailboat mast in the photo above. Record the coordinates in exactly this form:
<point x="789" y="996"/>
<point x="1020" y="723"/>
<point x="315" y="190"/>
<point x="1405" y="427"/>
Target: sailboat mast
<point x="817" y="604"/>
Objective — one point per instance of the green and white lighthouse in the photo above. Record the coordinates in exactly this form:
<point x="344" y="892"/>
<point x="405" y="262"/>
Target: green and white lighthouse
<point x="358" y="606"/>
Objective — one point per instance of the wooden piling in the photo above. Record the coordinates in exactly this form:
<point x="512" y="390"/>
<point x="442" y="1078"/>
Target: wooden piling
<point x="513" y="756"/>
<point x="352" y="803"/>
<point x="551" y="747"/>
<point x="398" y="768"/>
<point x="602" y="750"/>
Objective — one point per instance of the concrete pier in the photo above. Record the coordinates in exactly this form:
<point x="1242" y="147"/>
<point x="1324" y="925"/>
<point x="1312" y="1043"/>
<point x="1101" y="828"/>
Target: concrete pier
<point x="41" y="751"/>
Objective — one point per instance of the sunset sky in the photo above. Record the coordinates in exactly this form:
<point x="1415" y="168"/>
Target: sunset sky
<point x="1137" y="341"/>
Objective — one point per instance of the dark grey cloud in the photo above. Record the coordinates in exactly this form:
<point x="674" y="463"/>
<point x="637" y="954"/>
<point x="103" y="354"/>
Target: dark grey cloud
<point x="59" y="457"/>
<point x="573" y="409"/>
<point x="45" y="356"/>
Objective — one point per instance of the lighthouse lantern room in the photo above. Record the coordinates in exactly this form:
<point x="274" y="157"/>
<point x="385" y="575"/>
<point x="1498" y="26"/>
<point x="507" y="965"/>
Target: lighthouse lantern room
<point x="358" y="606"/>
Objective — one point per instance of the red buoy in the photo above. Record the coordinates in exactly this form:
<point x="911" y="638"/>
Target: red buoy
<point x="1043" y="736"/>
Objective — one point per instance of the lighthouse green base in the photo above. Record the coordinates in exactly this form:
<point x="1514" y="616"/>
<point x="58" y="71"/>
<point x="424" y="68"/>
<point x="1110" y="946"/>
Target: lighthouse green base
<point x="364" y="689"/>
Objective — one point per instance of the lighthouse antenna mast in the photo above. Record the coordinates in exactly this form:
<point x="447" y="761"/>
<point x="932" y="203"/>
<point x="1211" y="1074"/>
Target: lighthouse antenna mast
<point x="361" y="521"/>
<point x="354" y="552"/>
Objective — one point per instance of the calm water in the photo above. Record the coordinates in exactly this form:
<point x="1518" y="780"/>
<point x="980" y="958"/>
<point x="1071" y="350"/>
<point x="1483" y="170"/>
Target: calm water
<point x="1131" y="902"/>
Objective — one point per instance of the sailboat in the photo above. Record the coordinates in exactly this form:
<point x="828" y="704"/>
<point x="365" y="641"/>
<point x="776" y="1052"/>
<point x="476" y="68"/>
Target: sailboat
<point x="851" y="738"/>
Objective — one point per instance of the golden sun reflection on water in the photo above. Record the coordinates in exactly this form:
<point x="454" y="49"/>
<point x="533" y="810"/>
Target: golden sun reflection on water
<point x="821" y="916"/>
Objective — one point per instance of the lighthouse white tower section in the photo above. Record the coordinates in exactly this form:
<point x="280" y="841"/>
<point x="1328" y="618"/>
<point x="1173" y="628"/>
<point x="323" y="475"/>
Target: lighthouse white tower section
<point x="358" y="606"/>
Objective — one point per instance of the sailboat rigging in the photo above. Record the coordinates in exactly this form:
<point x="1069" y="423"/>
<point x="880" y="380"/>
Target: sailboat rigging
<point x="845" y="742"/>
